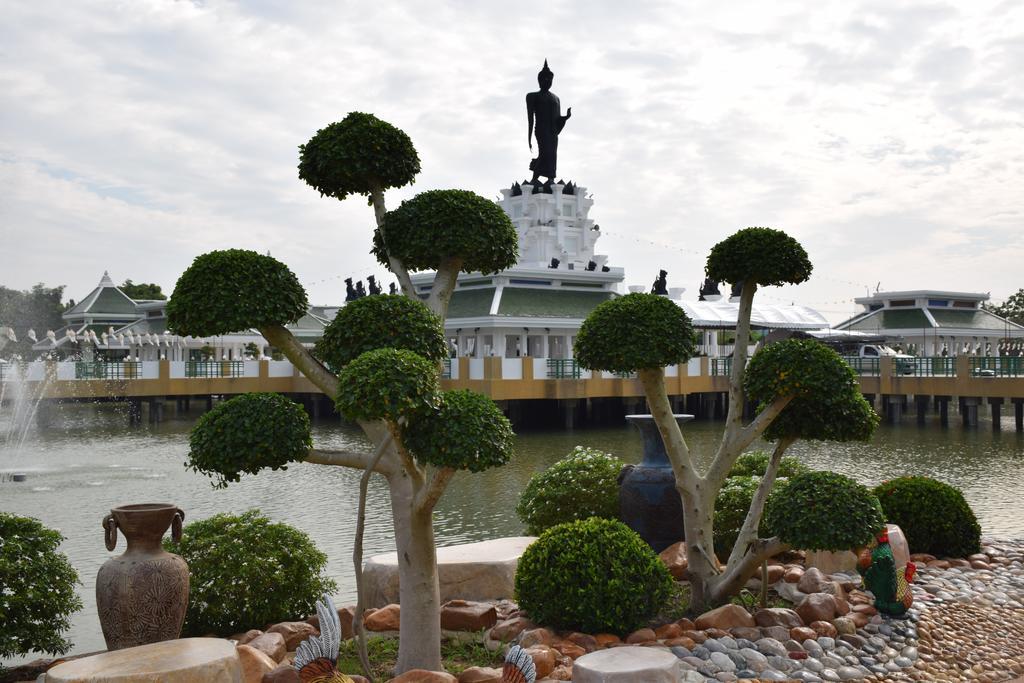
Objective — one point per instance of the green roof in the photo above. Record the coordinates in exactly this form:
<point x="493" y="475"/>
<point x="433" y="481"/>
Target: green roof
<point x="892" y="319"/>
<point x="471" y="303"/>
<point x="973" y="319"/>
<point x="539" y="303"/>
<point x="104" y="300"/>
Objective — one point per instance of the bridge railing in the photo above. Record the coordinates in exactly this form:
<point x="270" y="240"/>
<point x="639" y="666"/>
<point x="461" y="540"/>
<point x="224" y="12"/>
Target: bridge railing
<point x="937" y="366"/>
<point x="214" y="368"/>
<point x="721" y="366"/>
<point x="997" y="366"/>
<point x="563" y="368"/>
<point x="446" y="368"/>
<point x="863" y="366"/>
<point x="104" y="370"/>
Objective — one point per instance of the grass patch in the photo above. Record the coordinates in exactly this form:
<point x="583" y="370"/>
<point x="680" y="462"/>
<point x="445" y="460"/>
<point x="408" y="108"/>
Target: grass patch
<point x="678" y="604"/>
<point x="457" y="656"/>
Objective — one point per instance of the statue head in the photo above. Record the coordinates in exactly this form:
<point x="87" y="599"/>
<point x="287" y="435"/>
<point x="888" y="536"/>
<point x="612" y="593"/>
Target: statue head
<point x="545" y="77"/>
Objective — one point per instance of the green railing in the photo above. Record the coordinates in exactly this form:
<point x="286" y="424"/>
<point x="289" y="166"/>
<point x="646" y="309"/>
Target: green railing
<point x="937" y="366"/>
<point x="862" y="366"/>
<point x="721" y="366"/>
<point x="446" y="368"/>
<point x="214" y="368"/>
<point x="997" y="366"/>
<point x="103" y="370"/>
<point x="563" y="368"/>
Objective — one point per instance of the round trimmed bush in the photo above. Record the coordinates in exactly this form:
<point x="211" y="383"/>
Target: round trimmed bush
<point x="755" y="464"/>
<point x="248" y="433"/>
<point x="246" y="571"/>
<point x="933" y="515"/>
<point x="731" y="507"/>
<point x="386" y="384"/>
<point x="822" y="511"/>
<point x="467" y="431"/>
<point x="440" y="224"/>
<point x="234" y="290"/>
<point x="762" y="255"/>
<point x="583" y="484"/>
<point x="635" y="331"/>
<point x="37" y="588"/>
<point x="381" y="321"/>
<point x="594" y="575"/>
<point x="354" y="155"/>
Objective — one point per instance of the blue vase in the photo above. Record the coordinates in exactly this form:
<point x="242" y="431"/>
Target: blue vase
<point x="648" y="501"/>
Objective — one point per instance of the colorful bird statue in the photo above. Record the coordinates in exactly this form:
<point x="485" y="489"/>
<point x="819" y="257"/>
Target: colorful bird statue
<point x="889" y="584"/>
<point x="518" y="667"/>
<point x="316" y="658"/>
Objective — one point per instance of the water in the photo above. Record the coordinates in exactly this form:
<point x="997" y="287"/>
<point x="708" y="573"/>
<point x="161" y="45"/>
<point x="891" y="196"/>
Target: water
<point x="89" y="461"/>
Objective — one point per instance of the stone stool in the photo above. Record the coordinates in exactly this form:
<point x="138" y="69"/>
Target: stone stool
<point x="627" y="665"/>
<point x="211" y="660"/>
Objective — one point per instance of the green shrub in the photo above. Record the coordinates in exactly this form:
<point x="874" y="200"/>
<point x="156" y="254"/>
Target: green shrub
<point x="387" y="384"/>
<point x="934" y="516"/>
<point x="248" y="433"/>
<point x="822" y="511"/>
<point x="246" y="571"/>
<point x="731" y="507"/>
<point x="755" y="464"/>
<point x="583" y="484"/>
<point x="595" y="575"/>
<point x="467" y="431"/>
<point x="37" y="588"/>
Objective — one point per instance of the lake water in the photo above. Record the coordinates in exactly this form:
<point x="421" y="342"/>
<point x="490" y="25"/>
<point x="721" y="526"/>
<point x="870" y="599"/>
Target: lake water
<point x="88" y="460"/>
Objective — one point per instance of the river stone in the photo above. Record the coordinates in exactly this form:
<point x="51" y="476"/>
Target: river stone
<point x="472" y="571"/>
<point x="626" y="665"/>
<point x="212" y="660"/>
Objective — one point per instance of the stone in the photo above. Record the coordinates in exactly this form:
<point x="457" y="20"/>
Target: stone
<point x="424" y="676"/>
<point x="832" y="562"/>
<point x="722" y="661"/>
<point x="243" y="638"/>
<point x="570" y="650"/>
<point x="793" y="575"/>
<point x="849" y="673"/>
<point x="725" y="617"/>
<point x="386" y="618"/>
<point x="812" y="580"/>
<point x="770" y="646"/>
<point x="346" y="615"/>
<point x="899" y="546"/>
<point x="643" y="635"/>
<point x="270" y="644"/>
<point x="510" y="629"/>
<point x="294" y="632"/>
<point x="778" y="616"/>
<point x="817" y="607"/>
<point x="543" y="659"/>
<point x="674" y="558"/>
<point x="747" y="632"/>
<point x="463" y="615"/>
<point x="480" y="674"/>
<point x="169" y="661"/>
<point x="255" y="664"/>
<point x="537" y="636"/>
<point x="668" y="631"/>
<point x="627" y="665"/>
<point x="775" y="573"/>
<point x="607" y="639"/>
<point x="474" y="571"/>
<point x="562" y="672"/>
<point x="802" y="633"/>
<point x="779" y="633"/>
<point x="584" y="640"/>
<point x="686" y="625"/>
<point x="682" y="641"/>
<point x="697" y="636"/>
<point x="844" y="625"/>
<point x="284" y="673"/>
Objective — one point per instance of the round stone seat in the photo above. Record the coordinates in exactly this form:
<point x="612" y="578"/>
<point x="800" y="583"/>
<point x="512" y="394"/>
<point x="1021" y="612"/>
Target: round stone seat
<point x="627" y="665"/>
<point x="211" y="660"/>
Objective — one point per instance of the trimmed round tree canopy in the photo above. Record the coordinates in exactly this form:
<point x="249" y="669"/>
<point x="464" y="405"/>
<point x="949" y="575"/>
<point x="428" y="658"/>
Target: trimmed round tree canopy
<point x="357" y="154"/>
<point x="381" y="321"/>
<point x="823" y="511"/>
<point x="828" y="404"/>
<point x="442" y="224"/>
<point x="635" y="331"/>
<point x="386" y="384"/>
<point x="232" y="290"/>
<point x="762" y="255"/>
<point x="248" y="433"/>
<point x="467" y="431"/>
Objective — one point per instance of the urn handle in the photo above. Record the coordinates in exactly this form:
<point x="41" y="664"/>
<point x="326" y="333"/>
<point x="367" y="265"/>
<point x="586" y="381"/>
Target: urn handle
<point x="179" y="517"/>
<point x="110" y="532"/>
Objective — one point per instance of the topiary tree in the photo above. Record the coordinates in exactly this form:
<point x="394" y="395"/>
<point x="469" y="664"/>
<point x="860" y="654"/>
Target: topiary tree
<point x="37" y="613"/>
<point x="581" y="485"/>
<point x="247" y="571"/>
<point x="593" y="575"/>
<point x="379" y="359"/>
<point x="803" y="390"/>
<point x="933" y="515"/>
<point x="755" y="464"/>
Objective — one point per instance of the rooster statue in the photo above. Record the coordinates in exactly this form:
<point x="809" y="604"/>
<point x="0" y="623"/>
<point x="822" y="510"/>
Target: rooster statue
<point x="316" y="658"/>
<point x="889" y="584"/>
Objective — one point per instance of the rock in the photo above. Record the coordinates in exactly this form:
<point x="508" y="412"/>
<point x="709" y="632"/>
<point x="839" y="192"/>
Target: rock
<point x="424" y="676"/>
<point x="254" y="664"/>
<point x="462" y="615"/>
<point x="607" y="639"/>
<point x="725" y="617"/>
<point x="346" y="615"/>
<point x="793" y="575"/>
<point x="682" y="641"/>
<point x="537" y="636"/>
<point x="270" y="644"/>
<point x="584" y="640"/>
<point x="674" y="558"/>
<point x="770" y="646"/>
<point x="778" y="616"/>
<point x="480" y="674"/>
<point x="843" y="625"/>
<point x="812" y="580"/>
<point x="779" y="633"/>
<point x="924" y="558"/>
<point x="817" y="607"/>
<point x="899" y="546"/>
<point x="824" y="628"/>
<point x="294" y="632"/>
<point x="802" y="633"/>
<point x="170" y="661"/>
<point x="285" y="673"/>
<point x="832" y="562"/>
<point x="386" y="618"/>
<point x="543" y="658"/>
<point x="747" y="632"/>
<point x="722" y="661"/>
<point x="775" y="573"/>
<point x="570" y="650"/>
<point x="473" y="571"/>
<point x="668" y="631"/>
<point x="510" y="629"/>
<point x="686" y="625"/>
<point x="244" y="638"/>
<point x="644" y="635"/>
<point x="562" y="672"/>
<point x="628" y="665"/>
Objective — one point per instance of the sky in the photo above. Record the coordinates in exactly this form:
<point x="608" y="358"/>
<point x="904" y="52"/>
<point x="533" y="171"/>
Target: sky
<point x="887" y="137"/>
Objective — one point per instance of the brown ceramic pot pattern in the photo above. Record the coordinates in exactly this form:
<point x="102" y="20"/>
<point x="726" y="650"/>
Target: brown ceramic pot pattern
<point x="142" y="595"/>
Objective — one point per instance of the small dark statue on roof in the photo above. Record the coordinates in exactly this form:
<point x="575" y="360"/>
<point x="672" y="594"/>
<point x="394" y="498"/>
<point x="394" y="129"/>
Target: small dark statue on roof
<point x="710" y="287"/>
<point x="350" y="291"/>
<point x="360" y="291"/>
<point x="661" y="284"/>
<point x="544" y="108"/>
<point x="392" y="289"/>
<point x="374" y="287"/>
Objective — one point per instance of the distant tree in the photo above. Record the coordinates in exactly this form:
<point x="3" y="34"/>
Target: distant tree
<point x="143" y="290"/>
<point x="38" y="309"/>
<point x="1012" y="309"/>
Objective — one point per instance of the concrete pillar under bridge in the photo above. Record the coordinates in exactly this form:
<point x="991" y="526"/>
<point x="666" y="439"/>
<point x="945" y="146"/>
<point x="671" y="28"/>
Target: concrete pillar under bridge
<point x="942" y="403"/>
<point x="134" y="411"/>
<point x="894" y="407"/>
<point x="156" y="410"/>
<point x="969" y="410"/>
<point x="921" y="403"/>
<point x="1018" y="413"/>
<point x="996" y="405"/>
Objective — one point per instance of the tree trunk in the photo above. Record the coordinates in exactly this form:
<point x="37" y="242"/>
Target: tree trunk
<point x="420" y="630"/>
